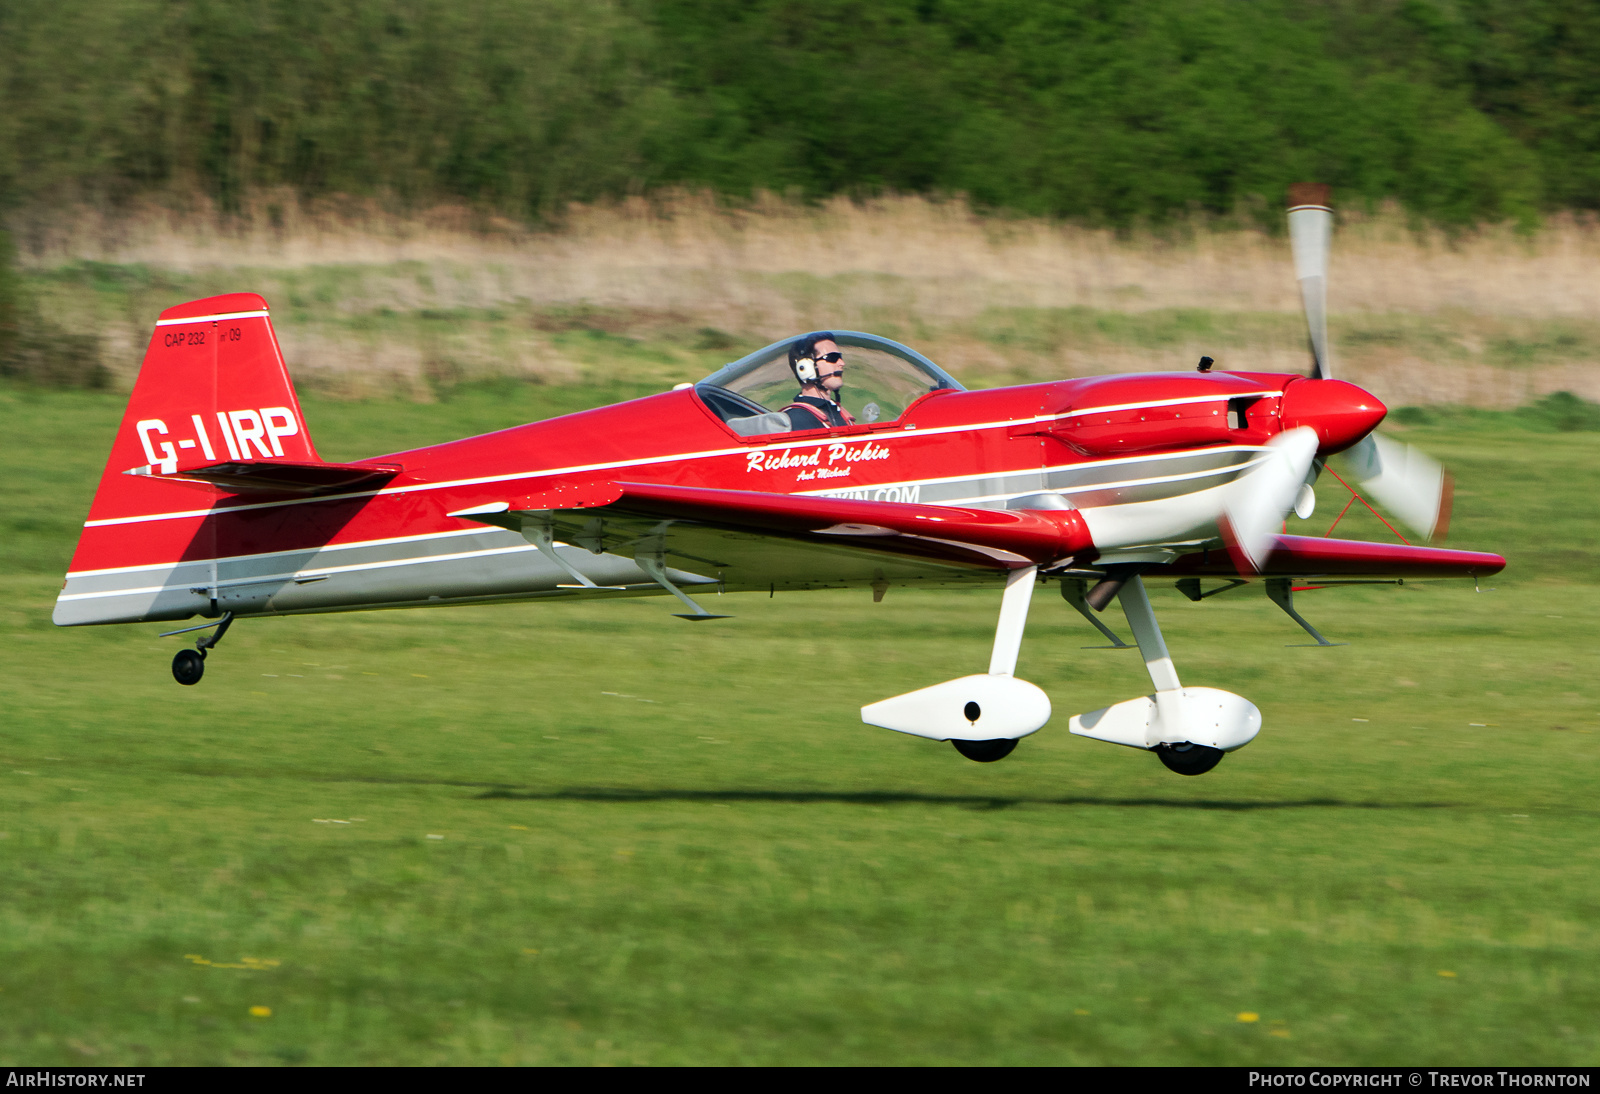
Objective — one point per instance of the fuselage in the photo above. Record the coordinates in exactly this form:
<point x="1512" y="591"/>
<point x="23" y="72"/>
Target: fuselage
<point x="1137" y="455"/>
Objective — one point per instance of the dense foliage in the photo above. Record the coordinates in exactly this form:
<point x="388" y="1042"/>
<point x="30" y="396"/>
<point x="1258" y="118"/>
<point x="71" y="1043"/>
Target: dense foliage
<point x="1107" y="112"/>
<point x="35" y="350"/>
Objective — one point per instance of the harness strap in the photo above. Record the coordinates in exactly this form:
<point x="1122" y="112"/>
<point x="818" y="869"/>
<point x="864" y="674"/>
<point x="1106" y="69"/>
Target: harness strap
<point x="820" y="415"/>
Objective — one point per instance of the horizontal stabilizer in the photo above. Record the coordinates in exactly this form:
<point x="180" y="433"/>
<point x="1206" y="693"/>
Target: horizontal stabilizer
<point x="278" y="476"/>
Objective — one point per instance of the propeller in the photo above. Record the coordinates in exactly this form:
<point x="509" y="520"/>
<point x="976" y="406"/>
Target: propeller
<point x="1258" y="500"/>
<point x="1310" y="231"/>
<point x="1405" y="480"/>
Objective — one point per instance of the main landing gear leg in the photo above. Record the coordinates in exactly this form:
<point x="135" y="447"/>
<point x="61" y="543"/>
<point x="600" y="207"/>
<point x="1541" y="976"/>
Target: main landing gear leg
<point x="188" y="666"/>
<point x="1189" y="729"/>
<point x="1183" y="757"/>
<point x="982" y="716"/>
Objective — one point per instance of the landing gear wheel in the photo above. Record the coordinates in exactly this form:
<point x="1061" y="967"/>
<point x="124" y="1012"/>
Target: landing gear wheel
<point x="1188" y="759"/>
<point x="986" y="752"/>
<point x="188" y="666"/>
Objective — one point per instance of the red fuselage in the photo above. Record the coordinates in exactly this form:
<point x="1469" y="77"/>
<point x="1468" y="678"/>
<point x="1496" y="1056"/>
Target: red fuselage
<point x="1129" y="453"/>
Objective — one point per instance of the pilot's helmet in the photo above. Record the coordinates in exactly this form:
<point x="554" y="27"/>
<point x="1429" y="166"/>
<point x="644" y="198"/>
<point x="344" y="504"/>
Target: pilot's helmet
<point x="803" y="355"/>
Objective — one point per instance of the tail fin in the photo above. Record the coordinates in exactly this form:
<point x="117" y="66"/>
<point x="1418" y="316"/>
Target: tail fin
<point x="212" y="389"/>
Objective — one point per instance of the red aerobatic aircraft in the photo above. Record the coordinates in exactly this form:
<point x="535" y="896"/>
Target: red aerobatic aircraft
<point x="215" y="504"/>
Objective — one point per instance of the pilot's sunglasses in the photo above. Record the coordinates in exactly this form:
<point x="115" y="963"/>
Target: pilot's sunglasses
<point x="832" y="358"/>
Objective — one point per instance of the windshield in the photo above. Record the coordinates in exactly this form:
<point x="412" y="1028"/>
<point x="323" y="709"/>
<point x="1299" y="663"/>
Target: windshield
<point x="882" y="377"/>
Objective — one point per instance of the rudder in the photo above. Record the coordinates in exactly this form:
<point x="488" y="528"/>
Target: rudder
<point x="215" y="372"/>
<point x="213" y="388"/>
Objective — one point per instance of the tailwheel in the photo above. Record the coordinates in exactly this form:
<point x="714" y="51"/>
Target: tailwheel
<point x="188" y="666"/>
<point x="1188" y="759"/>
<point x="986" y="752"/>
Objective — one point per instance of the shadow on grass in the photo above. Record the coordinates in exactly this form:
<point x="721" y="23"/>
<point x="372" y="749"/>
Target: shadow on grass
<point x="325" y="777"/>
<point x="497" y="791"/>
<point x="896" y="797"/>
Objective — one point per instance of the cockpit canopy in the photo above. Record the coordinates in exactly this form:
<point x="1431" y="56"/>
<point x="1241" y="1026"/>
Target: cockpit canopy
<point x="882" y="378"/>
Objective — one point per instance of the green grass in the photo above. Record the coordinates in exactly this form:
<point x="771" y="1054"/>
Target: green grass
<point x="666" y="843"/>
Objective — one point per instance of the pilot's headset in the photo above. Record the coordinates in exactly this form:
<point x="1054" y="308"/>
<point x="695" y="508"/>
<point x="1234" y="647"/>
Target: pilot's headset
<point x="802" y="356"/>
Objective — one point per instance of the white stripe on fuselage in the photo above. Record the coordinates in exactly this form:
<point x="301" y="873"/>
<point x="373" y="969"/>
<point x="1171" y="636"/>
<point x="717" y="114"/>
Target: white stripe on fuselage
<point x="279" y="554"/>
<point x="706" y="454"/>
<point x="301" y="575"/>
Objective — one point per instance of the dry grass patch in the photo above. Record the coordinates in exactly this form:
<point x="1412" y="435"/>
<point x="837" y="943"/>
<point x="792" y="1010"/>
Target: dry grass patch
<point x="366" y="300"/>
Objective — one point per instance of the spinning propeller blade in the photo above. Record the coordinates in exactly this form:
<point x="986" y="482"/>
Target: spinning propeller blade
<point x="1405" y="480"/>
<point x="1310" y="229"/>
<point x="1258" y="501"/>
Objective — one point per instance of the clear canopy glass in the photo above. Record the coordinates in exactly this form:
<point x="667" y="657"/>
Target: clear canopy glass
<point x="881" y="379"/>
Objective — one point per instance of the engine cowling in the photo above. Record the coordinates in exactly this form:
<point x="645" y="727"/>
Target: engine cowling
<point x="1341" y="413"/>
<point x="1120" y="415"/>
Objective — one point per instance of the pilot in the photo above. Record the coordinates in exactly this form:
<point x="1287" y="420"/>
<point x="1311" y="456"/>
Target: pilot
<point x="818" y="365"/>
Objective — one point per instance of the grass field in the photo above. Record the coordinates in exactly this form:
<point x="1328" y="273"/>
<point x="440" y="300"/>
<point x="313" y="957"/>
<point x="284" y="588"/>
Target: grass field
<point x="596" y="834"/>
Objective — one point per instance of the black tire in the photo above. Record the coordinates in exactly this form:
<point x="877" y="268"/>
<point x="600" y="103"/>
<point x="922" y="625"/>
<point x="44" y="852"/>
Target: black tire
<point x="1188" y="759"/>
<point x="986" y="752"/>
<point x="188" y="666"/>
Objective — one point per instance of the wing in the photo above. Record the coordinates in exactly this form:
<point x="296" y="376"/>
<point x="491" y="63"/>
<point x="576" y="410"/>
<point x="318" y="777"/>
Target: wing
<point x="749" y="539"/>
<point x="1310" y="556"/>
<point x="756" y="540"/>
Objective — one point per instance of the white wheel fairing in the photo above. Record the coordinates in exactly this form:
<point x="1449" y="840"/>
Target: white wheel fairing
<point x="1206" y="716"/>
<point x="1006" y="708"/>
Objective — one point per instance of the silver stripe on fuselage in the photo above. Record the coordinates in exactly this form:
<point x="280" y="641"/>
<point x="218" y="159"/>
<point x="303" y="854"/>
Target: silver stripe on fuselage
<point x="1110" y="482"/>
<point x="503" y="566"/>
<point x="384" y="542"/>
<point x="299" y="580"/>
